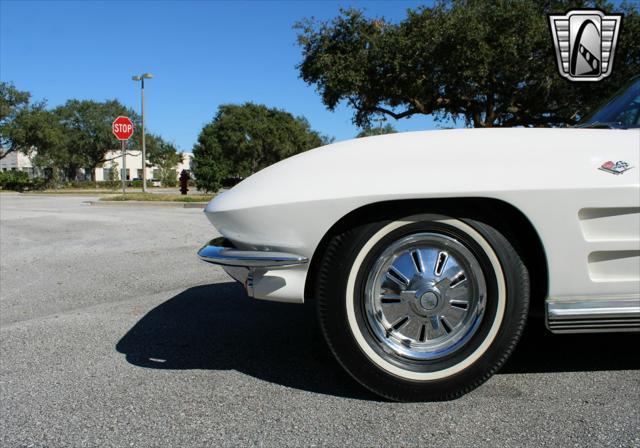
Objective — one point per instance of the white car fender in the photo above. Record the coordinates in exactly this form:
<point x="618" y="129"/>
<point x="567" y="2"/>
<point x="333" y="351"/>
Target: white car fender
<point x="588" y="219"/>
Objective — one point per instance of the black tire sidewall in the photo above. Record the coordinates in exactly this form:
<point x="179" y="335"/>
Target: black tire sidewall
<point x="336" y="268"/>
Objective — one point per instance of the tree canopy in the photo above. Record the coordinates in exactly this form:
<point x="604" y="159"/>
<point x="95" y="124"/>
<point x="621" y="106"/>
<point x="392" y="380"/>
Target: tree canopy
<point x="13" y="103"/>
<point x="87" y="126"/>
<point x="49" y="142"/>
<point x="370" y="131"/>
<point x="74" y="135"/>
<point x="242" y="139"/>
<point x="165" y="156"/>
<point x="488" y="62"/>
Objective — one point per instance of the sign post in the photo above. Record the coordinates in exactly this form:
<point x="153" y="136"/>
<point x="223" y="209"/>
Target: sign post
<point x="123" y="174"/>
<point x="122" y="128"/>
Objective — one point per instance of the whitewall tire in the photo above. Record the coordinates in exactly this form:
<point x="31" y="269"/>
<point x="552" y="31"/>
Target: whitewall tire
<point x="422" y="307"/>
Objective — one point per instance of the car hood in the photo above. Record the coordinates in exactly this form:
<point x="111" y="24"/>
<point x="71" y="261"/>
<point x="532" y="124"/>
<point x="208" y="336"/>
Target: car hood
<point x="454" y="162"/>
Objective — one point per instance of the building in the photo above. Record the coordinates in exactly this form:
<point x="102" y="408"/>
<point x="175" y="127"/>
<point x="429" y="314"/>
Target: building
<point x="17" y="161"/>
<point x="186" y="164"/>
<point x="133" y="163"/>
<point x="114" y="168"/>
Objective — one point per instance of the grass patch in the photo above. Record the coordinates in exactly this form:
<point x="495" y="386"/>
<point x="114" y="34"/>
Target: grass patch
<point x="74" y="192"/>
<point x="160" y="197"/>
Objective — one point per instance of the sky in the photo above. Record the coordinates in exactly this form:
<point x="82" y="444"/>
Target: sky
<point x="202" y="54"/>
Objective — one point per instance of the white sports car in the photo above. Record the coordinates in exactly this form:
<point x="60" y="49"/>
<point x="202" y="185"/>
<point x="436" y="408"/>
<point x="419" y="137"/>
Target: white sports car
<point x="423" y="252"/>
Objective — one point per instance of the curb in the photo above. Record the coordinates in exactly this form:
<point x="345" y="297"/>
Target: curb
<point x="174" y="204"/>
<point x="66" y="195"/>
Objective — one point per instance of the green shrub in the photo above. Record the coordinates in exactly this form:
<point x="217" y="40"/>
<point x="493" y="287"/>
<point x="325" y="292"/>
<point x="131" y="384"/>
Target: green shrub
<point x="109" y="184"/>
<point x="79" y="184"/>
<point x="90" y="184"/>
<point x="15" y="180"/>
<point x="138" y="183"/>
<point x="170" y="182"/>
<point x="229" y="182"/>
<point x="39" y="183"/>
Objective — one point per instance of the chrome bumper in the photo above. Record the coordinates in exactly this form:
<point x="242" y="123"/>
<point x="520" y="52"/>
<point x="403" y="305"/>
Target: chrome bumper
<point x="221" y="251"/>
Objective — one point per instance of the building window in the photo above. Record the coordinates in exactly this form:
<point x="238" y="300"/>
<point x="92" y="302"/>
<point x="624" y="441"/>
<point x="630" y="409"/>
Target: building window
<point x="139" y="173"/>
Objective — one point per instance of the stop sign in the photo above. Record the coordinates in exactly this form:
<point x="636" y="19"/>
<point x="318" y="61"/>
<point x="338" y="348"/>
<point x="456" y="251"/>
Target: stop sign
<point x="122" y="128"/>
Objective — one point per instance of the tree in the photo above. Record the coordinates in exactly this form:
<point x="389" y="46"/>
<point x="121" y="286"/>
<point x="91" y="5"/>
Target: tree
<point x="210" y="164"/>
<point x="114" y="172"/>
<point x="165" y="156"/>
<point x="243" y="139"/>
<point x="40" y="133"/>
<point x="40" y="129"/>
<point x="74" y="135"/>
<point x="88" y="127"/>
<point x="13" y="102"/>
<point x="380" y="130"/>
<point x="489" y="62"/>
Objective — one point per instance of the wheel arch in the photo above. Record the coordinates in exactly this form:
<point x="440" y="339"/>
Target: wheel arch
<point x="513" y="224"/>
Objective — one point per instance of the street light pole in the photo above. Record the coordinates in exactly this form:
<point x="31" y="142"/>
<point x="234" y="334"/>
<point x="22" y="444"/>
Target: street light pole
<point x="141" y="78"/>
<point x="144" y="147"/>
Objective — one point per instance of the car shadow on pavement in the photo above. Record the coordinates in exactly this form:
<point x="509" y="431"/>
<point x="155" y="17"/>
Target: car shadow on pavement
<point x="216" y="327"/>
<point x="541" y="351"/>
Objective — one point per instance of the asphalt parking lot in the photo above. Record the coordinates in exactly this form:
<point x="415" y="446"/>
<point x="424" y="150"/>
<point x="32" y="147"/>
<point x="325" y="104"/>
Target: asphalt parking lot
<point x="113" y="333"/>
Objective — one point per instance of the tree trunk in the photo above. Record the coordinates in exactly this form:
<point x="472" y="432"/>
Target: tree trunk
<point x="477" y="120"/>
<point x="72" y="172"/>
<point x="490" y="114"/>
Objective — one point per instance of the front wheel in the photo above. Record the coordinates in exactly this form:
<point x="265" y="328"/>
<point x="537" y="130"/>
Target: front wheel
<point x="425" y="307"/>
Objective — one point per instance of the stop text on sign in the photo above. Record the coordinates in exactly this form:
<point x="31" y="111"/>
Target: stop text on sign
<point x="122" y="128"/>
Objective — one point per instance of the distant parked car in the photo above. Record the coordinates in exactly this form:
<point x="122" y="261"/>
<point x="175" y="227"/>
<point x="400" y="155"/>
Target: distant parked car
<point x="423" y="251"/>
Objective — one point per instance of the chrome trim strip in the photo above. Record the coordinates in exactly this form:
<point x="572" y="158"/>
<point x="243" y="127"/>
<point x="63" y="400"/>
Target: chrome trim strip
<point x="221" y="251"/>
<point x="593" y="315"/>
<point x="248" y="284"/>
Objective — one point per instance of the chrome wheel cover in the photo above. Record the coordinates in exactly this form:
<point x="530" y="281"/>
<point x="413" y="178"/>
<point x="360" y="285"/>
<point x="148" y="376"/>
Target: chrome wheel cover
<point x="424" y="297"/>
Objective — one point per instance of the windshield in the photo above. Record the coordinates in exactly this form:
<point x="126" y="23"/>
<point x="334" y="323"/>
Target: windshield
<point x="623" y="110"/>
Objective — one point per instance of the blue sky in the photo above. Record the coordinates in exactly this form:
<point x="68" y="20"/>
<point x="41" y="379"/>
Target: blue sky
<point x="202" y="54"/>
